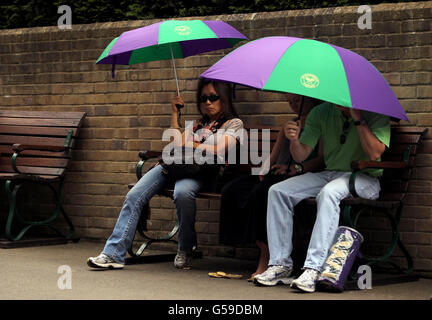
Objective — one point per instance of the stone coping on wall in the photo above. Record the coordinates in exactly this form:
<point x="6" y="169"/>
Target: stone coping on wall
<point x="385" y="12"/>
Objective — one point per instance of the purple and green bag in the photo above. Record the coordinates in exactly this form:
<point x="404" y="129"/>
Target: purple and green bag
<point x="342" y="254"/>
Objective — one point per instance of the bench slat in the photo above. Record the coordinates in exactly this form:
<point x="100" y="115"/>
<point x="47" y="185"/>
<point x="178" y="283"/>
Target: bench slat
<point x="397" y="157"/>
<point x="33" y="170"/>
<point x="40" y="122"/>
<point x="400" y="149"/>
<point x="405" y="138"/>
<point x="408" y="129"/>
<point x="42" y="114"/>
<point x="397" y="174"/>
<point x="16" y="176"/>
<point x="394" y="186"/>
<point x="7" y="150"/>
<point x="12" y="139"/>
<point x="36" y="162"/>
<point x="37" y="131"/>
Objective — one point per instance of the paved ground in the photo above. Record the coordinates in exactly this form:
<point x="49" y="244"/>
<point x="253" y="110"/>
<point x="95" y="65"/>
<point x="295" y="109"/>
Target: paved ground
<point x="33" y="273"/>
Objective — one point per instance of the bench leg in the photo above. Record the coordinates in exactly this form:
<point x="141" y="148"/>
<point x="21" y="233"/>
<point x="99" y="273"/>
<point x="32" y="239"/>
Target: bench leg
<point x="59" y="208"/>
<point x="142" y="227"/>
<point x="12" y="208"/>
<point x="13" y="212"/>
<point x="394" y="242"/>
<point x="150" y="240"/>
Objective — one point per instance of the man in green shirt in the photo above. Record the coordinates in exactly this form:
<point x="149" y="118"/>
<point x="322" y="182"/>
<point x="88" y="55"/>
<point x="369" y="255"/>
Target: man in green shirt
<point x="347" y="135"/>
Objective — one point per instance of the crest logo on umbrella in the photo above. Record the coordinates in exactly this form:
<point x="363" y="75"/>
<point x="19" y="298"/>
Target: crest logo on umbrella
<point x="309" y="80"/>
<point x="183" y="30"/>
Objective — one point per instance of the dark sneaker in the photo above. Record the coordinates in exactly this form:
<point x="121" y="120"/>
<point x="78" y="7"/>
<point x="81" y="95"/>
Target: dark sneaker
<point x="183" y="260"/>
<point x="274" y="275"/>
<point x="102" y="261"/>
<point x="307" y="281"/>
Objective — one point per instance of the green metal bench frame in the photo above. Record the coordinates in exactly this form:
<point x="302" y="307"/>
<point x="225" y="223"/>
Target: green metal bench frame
<point x="17" y="176"/>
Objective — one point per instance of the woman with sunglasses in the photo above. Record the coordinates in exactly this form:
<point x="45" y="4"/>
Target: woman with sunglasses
<point x="214" y="104"/>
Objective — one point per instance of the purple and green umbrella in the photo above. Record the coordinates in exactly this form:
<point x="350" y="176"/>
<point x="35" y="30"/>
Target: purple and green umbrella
<point x="310" y="68"/>
<point x="169" y="39"/>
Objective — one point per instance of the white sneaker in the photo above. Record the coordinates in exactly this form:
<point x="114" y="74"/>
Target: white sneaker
<point x="183" y="260"/>
<point x="102" y="261"/>
<point x="274" y="275"/>
<point x="307" y="280"/>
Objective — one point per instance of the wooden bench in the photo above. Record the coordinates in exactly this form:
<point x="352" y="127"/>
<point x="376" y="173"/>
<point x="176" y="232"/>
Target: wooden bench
<point x="397" y="162"/>
<point x="230" y="173"/>
<point x="35" y="148"/>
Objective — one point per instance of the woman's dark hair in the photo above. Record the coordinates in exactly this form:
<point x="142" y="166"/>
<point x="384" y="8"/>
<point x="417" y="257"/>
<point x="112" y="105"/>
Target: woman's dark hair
<point x="224" y="91"/>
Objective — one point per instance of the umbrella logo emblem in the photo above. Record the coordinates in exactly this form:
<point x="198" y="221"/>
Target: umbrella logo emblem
<point x="309" y="80"/>
<point x="183" y="30"/>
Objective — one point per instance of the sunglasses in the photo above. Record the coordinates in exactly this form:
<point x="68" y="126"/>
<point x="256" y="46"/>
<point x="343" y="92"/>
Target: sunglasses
<point x="212" y="98"/>
<point x="345" y="130"/>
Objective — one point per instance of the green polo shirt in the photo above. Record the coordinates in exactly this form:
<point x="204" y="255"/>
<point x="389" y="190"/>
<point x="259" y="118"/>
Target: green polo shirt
<point x="327" y="121"/>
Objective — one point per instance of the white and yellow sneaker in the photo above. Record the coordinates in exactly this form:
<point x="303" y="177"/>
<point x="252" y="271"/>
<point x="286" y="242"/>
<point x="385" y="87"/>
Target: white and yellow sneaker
<point x="102" y="261"/>
<point x="307" y="280"/>
<point x="274" y="275"/>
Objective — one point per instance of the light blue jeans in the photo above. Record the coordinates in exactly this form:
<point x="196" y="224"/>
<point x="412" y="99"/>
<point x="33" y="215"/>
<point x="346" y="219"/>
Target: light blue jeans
<point x="150" y="184"/>
<point x="329" y="188"/>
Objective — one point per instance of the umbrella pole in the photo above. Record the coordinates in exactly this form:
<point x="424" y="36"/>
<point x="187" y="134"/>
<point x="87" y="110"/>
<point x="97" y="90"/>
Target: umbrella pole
<point x="179" y="106"/>
<point x="175" y="71"/>
<point x="301" y="109"/>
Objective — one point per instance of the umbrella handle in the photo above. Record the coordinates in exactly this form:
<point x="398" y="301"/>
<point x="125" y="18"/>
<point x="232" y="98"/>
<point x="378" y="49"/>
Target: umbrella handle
<point x="301" y="110"/>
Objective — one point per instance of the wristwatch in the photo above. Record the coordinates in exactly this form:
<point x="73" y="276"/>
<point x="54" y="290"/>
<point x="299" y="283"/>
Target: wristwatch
<point x="360" y="122"/>
<point x="298" y="168"/>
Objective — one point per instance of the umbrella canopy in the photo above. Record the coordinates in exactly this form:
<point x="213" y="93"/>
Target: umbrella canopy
<point x="169" y="40"/>
<point x="310" y="68"/>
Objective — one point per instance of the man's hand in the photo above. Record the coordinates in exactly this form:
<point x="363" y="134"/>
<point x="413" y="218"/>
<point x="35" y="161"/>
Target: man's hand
<point x="292" y="130"/>
<point x="371" y="145"/>
<point x="279" y="168"/>
<point x="356" y="114"/>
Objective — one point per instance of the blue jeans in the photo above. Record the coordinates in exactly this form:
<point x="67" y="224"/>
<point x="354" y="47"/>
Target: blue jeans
<point x="150" y="184"/>
<point x="329" y="188"/>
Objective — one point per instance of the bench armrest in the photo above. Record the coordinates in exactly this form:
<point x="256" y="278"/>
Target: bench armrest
<point x="145" y="155"/>
<point x="364" y="164"/>
<point x="149" y="154"/>
<point x="17" y="148"/>
<point x="360" y="165"/>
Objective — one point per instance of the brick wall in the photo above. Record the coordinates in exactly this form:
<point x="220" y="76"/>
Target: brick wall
<point x="51" y="69"/>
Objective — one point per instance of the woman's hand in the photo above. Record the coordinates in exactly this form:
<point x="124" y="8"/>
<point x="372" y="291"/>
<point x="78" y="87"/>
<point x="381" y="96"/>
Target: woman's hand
<point x="174" y="101"/>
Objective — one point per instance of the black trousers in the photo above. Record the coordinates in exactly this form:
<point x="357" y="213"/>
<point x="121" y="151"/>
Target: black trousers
<point x="243" y="212"/>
